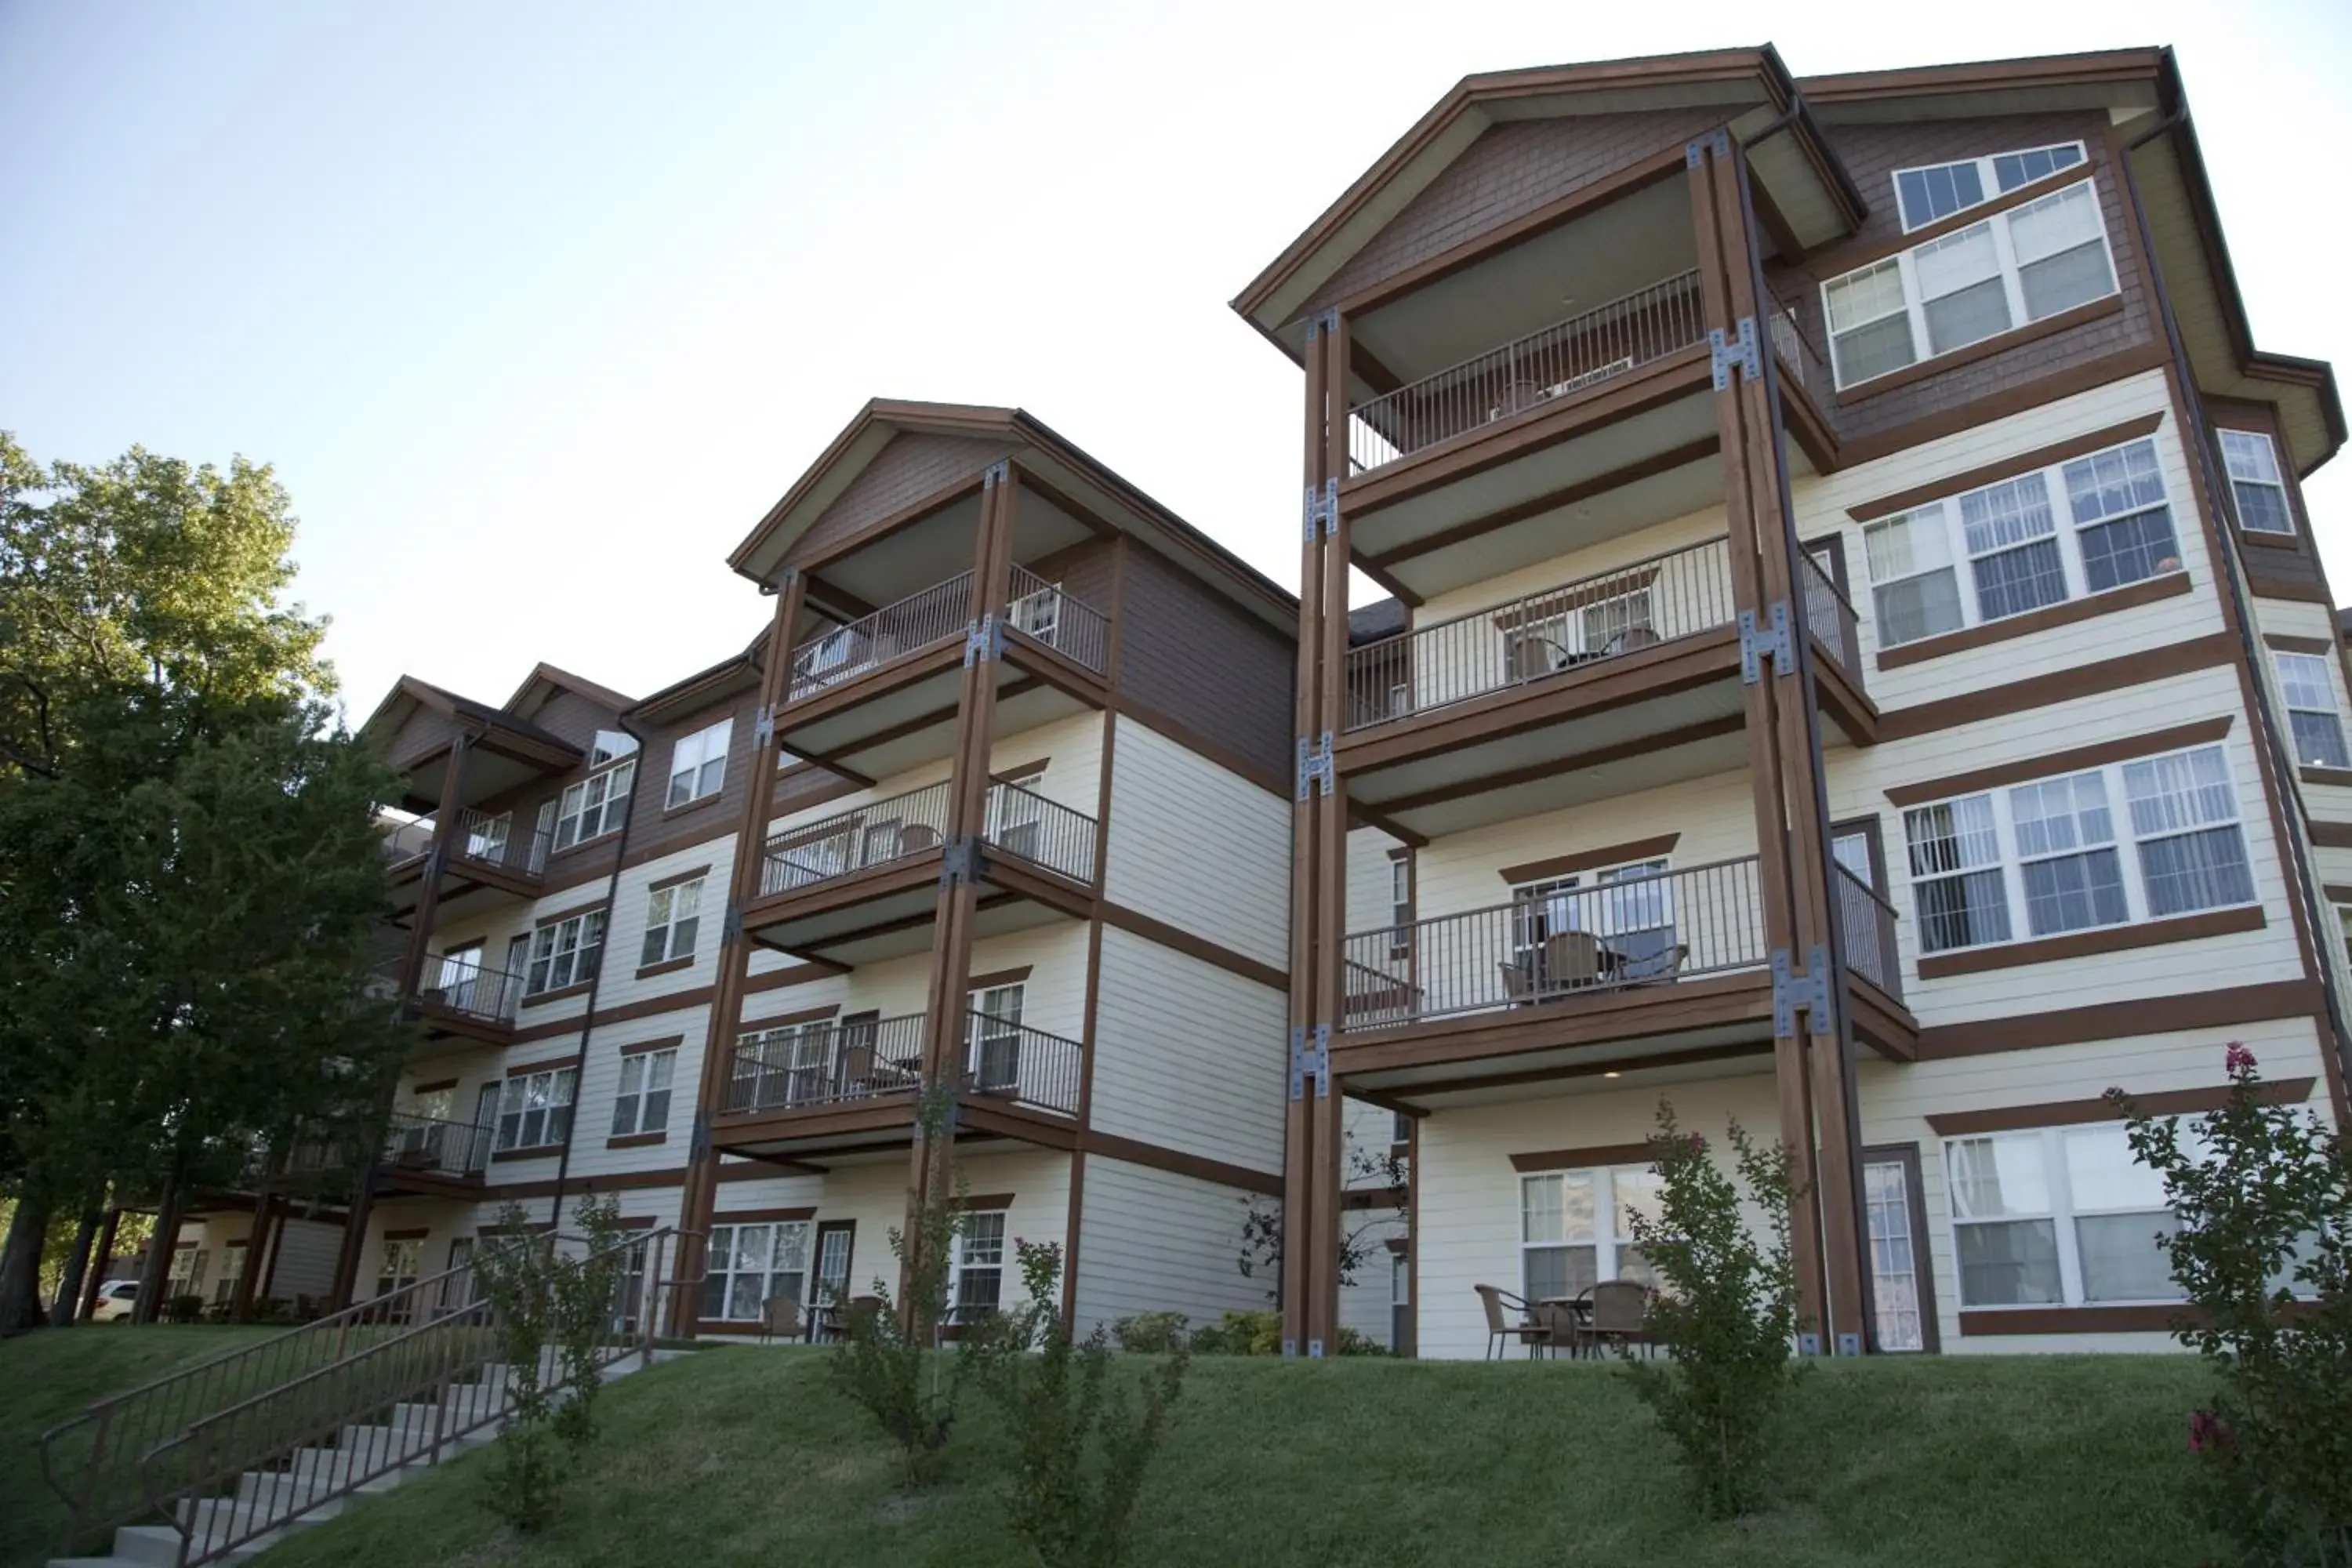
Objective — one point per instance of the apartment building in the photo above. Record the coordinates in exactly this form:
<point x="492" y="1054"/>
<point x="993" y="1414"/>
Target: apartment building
<point x="1856" y="661"/>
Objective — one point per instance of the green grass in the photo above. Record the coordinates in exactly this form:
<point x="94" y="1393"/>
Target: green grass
<point x="742" y="1456"/>
<point x="50" y="1374"/>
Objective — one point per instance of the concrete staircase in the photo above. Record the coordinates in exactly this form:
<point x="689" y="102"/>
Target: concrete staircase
<point x="315" y="1485"/>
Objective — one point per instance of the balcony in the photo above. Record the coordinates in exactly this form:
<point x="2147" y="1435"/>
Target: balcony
<point x="429" y="1156"/>
<point x="862" y="885"/>
<point x="808" y="1090"/>
<point x="879" y="696"/>
<point x="466" y="1005"/>
<point x="490" y="862"/>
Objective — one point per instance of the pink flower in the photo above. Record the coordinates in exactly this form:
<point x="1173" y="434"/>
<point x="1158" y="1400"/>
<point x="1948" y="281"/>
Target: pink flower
<point x="2237" y="1058"/>
<point x="2206" y="1431"/>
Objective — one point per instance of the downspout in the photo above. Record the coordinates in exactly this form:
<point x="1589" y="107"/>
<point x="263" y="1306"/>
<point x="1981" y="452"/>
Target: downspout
<point x="596" y="983"/>
<point x="2226" y="499"/>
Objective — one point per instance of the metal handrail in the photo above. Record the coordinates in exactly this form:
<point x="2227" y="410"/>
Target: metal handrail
<point x="1569" y="356"/>
<point x="406" y="841"/>
<point x="1799" y="355"/>
<point x="434" y="1143"/>
<point x="874" y="833"/>
<point x="1866" y="921"/>
<point x="490" y="838"/>
<point x="1006" y="1060"/>
<point x="489" y="994"/>
<point x="1828" y="615"/>
<point x="1049" y="614"/>
<point x="1658" y="599"/>
<point x="829" y="1066"/>
<point x="1046" y="833"/>
<point x="929" y="615"/>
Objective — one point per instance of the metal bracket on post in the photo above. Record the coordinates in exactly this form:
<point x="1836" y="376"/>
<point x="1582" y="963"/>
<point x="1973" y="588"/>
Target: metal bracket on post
<point x="996" y="473"/>
<point x="1791" y="991"/>
<point x="1770" y="637"/>
<point x="1310" y="1054"/>
<point x="764" y="727"/>
<point x="1314" y="765"/>
<point x="730" y="925"/>
<point x="1720" y="142"/>
<point x="1739" y="350"/>
<point x="1320" y="323"/>
<point x="983" y="640"/>
<point x="1314" y="1350"/>
<point x="1809" y="1343"/>
<point x="1849" y="1343"/>
<point x="1322" y="509"/>
<point x="959" y="861"/>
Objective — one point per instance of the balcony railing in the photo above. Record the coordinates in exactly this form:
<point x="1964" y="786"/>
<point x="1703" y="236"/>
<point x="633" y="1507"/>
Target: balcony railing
<point x="829" y="1064"/>
<point x="433" y="1146"/>
<point x="1615" y="613"/>
<point x="1867" y="923"/>
<point x="482" y="838"/>
<point x="406" y="841"/>
<point x="488" y="995"/>
<point x="1006" y="1060"/>
<point x="1576" y="940"/>
<point x="1798" y="357"/>
<point x="1828" y="616"/>
<point x="935" y="614"/>
<point x="1569" y="356"/>
<point x="1045" y="612"/>
<point x="1019" y="823"/>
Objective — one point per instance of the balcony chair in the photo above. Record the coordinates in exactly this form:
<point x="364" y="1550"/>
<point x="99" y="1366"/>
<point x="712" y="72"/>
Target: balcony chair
<point x="1571" y="961"/>
<point x="1620" y="1314"/>
<point x="779" y="1318"/>
<point x="1526" y="1332"/>
<point x="1516" y="984"/>
<point x="916" y="838"/>
<point x="1631" y="639"/>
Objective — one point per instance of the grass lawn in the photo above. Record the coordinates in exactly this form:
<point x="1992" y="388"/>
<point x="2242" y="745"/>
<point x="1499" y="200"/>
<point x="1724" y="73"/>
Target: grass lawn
<point x="748" y="1456"/>
<point x="50" y="1374"/>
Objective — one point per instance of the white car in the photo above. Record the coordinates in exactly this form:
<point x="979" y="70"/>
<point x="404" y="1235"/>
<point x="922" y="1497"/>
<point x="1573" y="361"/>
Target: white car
<point x="115" y="1299"/>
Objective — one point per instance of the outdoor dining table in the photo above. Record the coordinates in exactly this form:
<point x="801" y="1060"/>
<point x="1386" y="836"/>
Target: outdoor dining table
<point x="1579" y="1310"/>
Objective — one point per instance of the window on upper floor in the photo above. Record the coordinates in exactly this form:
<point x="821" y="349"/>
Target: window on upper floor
<point x="2255" y="479"/>
<point x="611" y="746"/>
<point x="594" y="806"/>
<point x="535" y="1108"/>
<point x="673" y="914"/>
<point x="2311" y="711"/>
<point x="564" y="953"/>
<point x="698" y="764"/>
<point x="1938" y="190"/>
<point x="749" y="1264"/>
<point x="2016" y="266"/>
<point x="2001" y="551"/>
<point x="2109" y="846"/>
<point x="642" y="1103"/>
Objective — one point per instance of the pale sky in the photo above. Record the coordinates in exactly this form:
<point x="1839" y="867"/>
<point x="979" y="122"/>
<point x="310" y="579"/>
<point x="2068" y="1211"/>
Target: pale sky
<point x="536" y="307"/>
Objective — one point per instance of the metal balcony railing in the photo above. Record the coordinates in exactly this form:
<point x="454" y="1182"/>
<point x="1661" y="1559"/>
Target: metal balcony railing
<point x="406" y="841"/>
<point x="1802" y="360"/>
<point x="1828" y="616"/>
<point x="1007" y="1061"/>
<point x="483" y="838"/>
<point x="1867" y="923"/>
<point x="828" y="1064"/>
<point x="1574" y="939"/>
<point x="488" y="995"/>
<point x="934" y="615"/>
<point x="1676" y="595"/>
<point x="1019" y="822"/>
<point x="435" y="1146"/>
<point x="1566" y="357"/>
<point x="1046" y="613"/>
<point x="1042" y="832"/>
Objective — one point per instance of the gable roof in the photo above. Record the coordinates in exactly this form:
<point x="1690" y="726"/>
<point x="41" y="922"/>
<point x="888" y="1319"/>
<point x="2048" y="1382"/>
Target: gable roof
<point x="545" y="680"/>
<point x="409" y="695"/>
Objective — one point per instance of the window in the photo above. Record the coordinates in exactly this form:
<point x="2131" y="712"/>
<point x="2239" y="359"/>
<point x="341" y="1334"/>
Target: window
<point x="2311" y="711"/>
<point x="750" y="1263"/>
<point x="231" y="1270"/>
<point x="1576" y="1229"/>
<point x="672" y="915"/>
<point x="188" y="1275"/>
<point x="1400" y="892"/>
<point x="2060" y="1215"/>
<point x="403" y="1263"/>
<point x="2255" y="479"/>
<point x="979" y="1275"/>
<point x="597" y="805"/>
<point x="2001" y="551"/>
<point x="1899" y="1312"/>
<point x="995" y="1039"/>
<point x="2048" y="857"/>
<point x="1039" y="613"/>
<point x="1629" y="910"/>
<point x="486" y="837"/>
<point x="643" y="1103"/>
<point x="611" y="746"/>
<point x="2024" y="265"/>
<point x="1939" y="190"/>
<point x="565" y="952"/>
<point x="698" y="762"/>
<point x="535" y="1110"/>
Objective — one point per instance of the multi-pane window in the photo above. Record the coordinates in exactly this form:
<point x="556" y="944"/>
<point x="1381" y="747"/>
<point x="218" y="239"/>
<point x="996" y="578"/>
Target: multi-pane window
<point x="749" y="1264"/>
<point x="2255" y="479"/>
<point x="231" y="1270"/>
<point x="594" y="806"/>
<point x="1576" y="1229"/>
<point x="1399" y="904"/>
<point x="2001" y="551"/>
<point x="535" y="1110"/>
<point x="698" y="762"/>
<point x="486" y="837"/>
<point x="1939" y="190"/>
<point x="404" y="1264"/>
<point x="2058" y="1215"/>
<point x="565" y="952"/>
<point x="672" y="916"/>
<point x="995" y="1040"/>
<point x="2055" y="856"/>
<point x="642" y="1105"/>
<point x="979" y="1276"/>
<point x="2024" y="265"/>
<point x="2311" y="711"/>
<point x="1613" y="625"/>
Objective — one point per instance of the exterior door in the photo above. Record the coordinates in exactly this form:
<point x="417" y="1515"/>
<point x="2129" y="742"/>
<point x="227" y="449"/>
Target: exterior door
<point x="1902" y="1293"/>
<point x="829" y="1281"/>
<point x="460" y="968"/>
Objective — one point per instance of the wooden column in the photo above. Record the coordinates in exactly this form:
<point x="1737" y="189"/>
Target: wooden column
<point x="257" y="1242"/>
<point x="699" y="1191"/>
<point x="436" y="861"/>
<point x="1814" y="1060"/>
<point x="347" y="1256"/>
<point x="101" y="1254"/>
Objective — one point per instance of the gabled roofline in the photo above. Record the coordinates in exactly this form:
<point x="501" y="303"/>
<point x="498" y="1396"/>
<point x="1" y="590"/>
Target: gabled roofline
<point x="553" y="676"/>
<point x="704" y="686"/>
<point x="480" y="717"/>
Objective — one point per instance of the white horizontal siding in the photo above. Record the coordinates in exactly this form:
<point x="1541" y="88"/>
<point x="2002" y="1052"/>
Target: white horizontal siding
<point x="1365" y="1305"/>
<point x="1152" y="1241"/>
<point x="1188" y="1056"/>
<point x="1202" y="848"/>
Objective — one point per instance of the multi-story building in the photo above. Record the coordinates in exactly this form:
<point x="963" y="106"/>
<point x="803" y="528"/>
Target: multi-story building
<point x="1858" y="662"/>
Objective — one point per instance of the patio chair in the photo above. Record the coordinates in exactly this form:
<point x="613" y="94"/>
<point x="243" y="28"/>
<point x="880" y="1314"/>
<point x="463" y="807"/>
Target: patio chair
<point x="1517" y="985"/>
<point x="1526" y="1332"/>
<point x="779" y="1318"/>
<point x="1620" y="1313"/>
<point x="1561" y="1332"/>
<point x="915" y="838"/>
<point x="1571" y="961"/>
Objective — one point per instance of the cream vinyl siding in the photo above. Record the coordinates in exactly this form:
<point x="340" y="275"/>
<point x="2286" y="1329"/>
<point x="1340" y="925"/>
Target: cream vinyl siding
<point x="1365" y="1305"/>
<point x="600" y="1078"/>
<point x="1189" y="1055"/>
<point x="1152" y="1241"/>
<point x="1072" y="748"/>
<point x="1369" y="852"/>
<point x="874" y="1194"/>
<point x="1858" y="778"/>
<point x="1202" y="848"/>
<point x="1897" y="1099"/>
<point x="624" y="934"/>
<point x="1695" y="528"/>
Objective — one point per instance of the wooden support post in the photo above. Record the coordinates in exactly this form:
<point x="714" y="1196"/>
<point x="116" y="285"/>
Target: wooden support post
<point x="347" y="1256"/>
<point x="101" y="1254"/>
<point x="436" y="863"/>
<point x="256" y="1240"/>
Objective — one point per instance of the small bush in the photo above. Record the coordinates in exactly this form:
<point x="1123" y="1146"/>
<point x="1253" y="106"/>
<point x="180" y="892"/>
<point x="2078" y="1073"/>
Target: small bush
<point x="1240" y="1334"/>
<point x="1153" y="1334"/>
<point x="1355" y="1342"/>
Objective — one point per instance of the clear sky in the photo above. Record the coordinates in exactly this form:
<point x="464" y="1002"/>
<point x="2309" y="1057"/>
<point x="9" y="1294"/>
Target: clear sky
<point x="537" y="308"/>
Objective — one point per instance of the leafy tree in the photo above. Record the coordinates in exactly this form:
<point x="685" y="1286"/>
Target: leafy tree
<point x="1261" y="1250"/>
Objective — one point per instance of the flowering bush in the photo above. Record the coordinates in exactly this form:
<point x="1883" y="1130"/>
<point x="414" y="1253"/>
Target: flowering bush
<point x="2262" y="1194"/>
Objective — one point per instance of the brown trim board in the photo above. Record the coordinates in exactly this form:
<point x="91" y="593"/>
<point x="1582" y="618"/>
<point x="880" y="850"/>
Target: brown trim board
<point x="2147" y="590"/>
<point x="2084" y="944"/>
<point x="659" y="1043"/>
<point x="2056" y="762"/>
<point x="2006" y="469"/>
<point x="2209" y="652"/>
<point x="1137" y="923"/>
<point x="1111" y="1146"/>
<point x="1583" y="1159"/>
<point x="2286" y="643"/>
<point x="2191" y="1011"/>
<point x="1588" y="859"/>
<point x="2081" y="1113"/>
<point x="1984" y="349"/>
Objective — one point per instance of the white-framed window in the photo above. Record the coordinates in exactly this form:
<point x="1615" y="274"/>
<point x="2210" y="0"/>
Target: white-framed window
<point x="994" y="1042"/>
<point x="2255" y="479"/>
<point x="611" y="746"/>
<point x="231" y="1270"/>
<point x="565" y="952"/>
<point x="2016" y="267"/>
<point x="750" y="1263"/>
<point x="673" y="915"/>
<point x="404" y="1264"/>
<point x="1629" y="910"/>
<point x="698" y="762"/>
<point x="2072" y="530"/>
<point x="642" y="1104"/>
<point x="979" y="1273"/>
<point x="594" y="806"/>
<point x="1400" y="892"/>
<point x="2060" y="1215"/>
<point x="187" y="1273"/>
<point x="535" y="1108"/>
<point x="1576" y="1229"/>
<point x="1573" y="637"/>
<point x="2311" y="711"/>
<point x="486" y="837"/>
<point x="1039" y="613"/>
<point x="1934" y="190"/>
<point x="2129" y="841"/>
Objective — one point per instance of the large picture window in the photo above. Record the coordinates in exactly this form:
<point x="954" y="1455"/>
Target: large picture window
<point x="1938" y="190"/>
<point x="565" y="952"/>
<point x="1576" y="1229"/>
<point x="594" y="806"/>
<point x="750" y="1263"/>
<point x="2055" y="1217"/>
<point x="2066" y="531"/>
<point x="535" y="1110"/>
<point x="2131" y="841"/>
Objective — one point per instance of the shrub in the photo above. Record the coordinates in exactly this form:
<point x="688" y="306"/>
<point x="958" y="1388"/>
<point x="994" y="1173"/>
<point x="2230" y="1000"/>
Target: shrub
<point x="2262" y="1194"/>
<point x="1240" y="1334"/>
<point x="1355" y="1342"/>
<point x="1728" y="1314"/>
<point x="1152" y="1333"/>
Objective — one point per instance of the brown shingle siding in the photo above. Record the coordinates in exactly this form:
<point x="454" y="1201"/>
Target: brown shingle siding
<point x="1191" y="654"/>
<point x="910" y="468"/>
